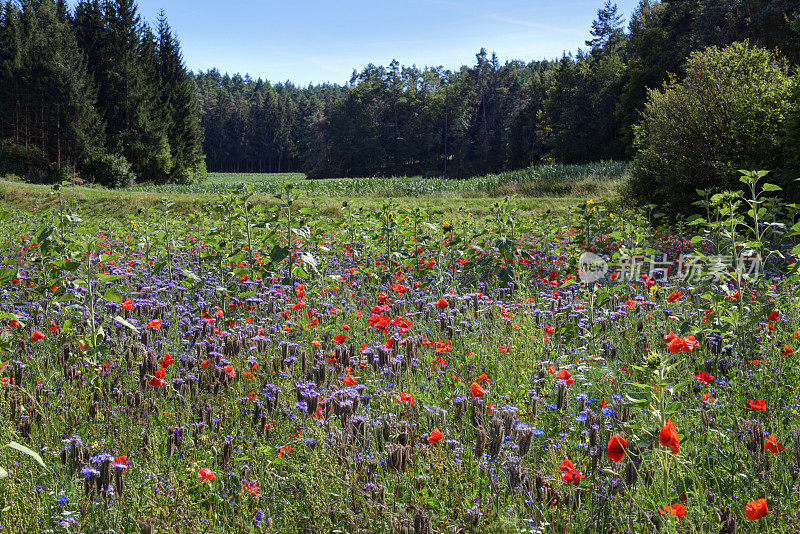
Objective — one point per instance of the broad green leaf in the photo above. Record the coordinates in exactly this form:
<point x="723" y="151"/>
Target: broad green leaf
<point x="123" y="322"/>
<point x="25" y="450"/>
<point x="113" y="295"/>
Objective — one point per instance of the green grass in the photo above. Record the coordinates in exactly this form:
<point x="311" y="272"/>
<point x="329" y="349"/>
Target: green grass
<point x="540" y="188"/>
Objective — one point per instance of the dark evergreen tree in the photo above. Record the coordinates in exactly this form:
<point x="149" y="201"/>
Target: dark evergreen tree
<point x="177" y="109"/>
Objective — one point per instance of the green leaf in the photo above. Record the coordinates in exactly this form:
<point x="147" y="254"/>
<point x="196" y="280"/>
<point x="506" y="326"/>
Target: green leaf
<point x="109" y="277"/>
<point x="25" y="450"/>
<point x="113" y="295"/>
<point x="770" y="187"/>
<point x="123" y="322"/>
<point x="3" y="473"/>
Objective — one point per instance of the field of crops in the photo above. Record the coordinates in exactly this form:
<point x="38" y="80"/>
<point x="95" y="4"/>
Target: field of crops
<point x="255" y="368"/>
<point x="544" y="180"/>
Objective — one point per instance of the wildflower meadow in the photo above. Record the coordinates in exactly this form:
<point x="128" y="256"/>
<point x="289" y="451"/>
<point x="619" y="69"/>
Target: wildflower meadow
<point x="264" y="367"/>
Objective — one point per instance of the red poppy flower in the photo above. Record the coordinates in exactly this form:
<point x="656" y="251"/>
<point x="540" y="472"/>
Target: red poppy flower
<point x="669" y="437"/>
<point x="550" y="329"/>
<point x="566" y="376"/>
<point x="122" y="460"/>
<point x="756" y="509"/>
<point x="36" y="336"/>
<point x="160" y="373"/>
<point x="340" y="338"/>
<point x="346" y="327"/>
<point x="205" y="363"/>
<point x="573" y="476"/>
<point x="678" y="510"/>
<point x="206" y="474"/>
<point x="787" y="350"/>
<point x="442" y="304"/>
<point x="675" y="295"/>
<point x="128" y="304"/>
<point x="155" y="324"/>
<point x="773" y="316"/>
<point x="167" y="360"/>
<point x="231" y="371"/>
<point x="669" y="337"/>
<point x="405" y="397"/>
<point x="156" y="382"/>
<point x="53" y="327"/>
<point x="484" y="378"/>
<point x="676" y="345"/>
<point x="756" y="405"/>
<point x="704" y="377"/>
<point x="566" y="465"/>
<point x="252" y="487"/>
<point x="772" y="444"/>
<point x="349" y="380"/>
<point x="476" y="391"/>
<point x="435" y="436"/>
<point x="616" y="448"/>
<point x="690" y="343"/>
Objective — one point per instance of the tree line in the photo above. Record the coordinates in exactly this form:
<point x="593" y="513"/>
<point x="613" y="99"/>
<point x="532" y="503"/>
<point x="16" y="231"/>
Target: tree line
<point x="486" y="117"/>
<point x="100" y="92"/>
<point x="96" y="91"/>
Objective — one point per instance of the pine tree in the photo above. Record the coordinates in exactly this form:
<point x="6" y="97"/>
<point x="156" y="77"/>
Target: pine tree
<point x="607" y="30"/>
<point x="177" y="109"/>
<point x="128" y="89"/>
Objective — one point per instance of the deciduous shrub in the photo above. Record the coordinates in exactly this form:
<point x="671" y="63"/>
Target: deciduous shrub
<point x="110" y="170"/>
<point x="731" y="111"/>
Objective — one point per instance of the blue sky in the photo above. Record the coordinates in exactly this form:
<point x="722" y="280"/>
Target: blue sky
<point x="323" y="40"/>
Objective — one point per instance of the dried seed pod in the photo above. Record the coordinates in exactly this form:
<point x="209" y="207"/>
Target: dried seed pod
<point x="728" y="521"/>
<point x="227" y="452"/>
<point x="119" y="482"/>
<point x="524" y="440"/>
<point x="495" y="437"/>
<point x="146" y="526"/>
<point x="480" y="441"/>
<point x="422" y="524"/>
<point x="561" y="398"/>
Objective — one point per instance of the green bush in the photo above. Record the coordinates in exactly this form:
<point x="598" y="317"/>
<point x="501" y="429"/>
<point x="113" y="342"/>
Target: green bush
<point x="731" y="111"/>
<point x="31" y="163"/>
<point x="109" y="170"/>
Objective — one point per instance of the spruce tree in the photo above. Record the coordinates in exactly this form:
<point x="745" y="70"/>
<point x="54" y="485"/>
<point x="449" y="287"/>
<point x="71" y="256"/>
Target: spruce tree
<point x="178" y="110"/>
